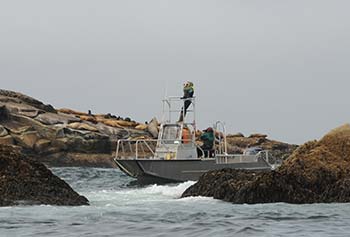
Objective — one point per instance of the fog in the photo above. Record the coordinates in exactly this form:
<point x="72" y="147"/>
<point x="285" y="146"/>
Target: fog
<point x="275" y="67"/>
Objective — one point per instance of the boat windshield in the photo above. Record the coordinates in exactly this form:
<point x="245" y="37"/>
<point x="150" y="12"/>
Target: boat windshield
<point x="171" y="133"/>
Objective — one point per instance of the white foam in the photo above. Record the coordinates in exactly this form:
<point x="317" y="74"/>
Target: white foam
<point x="167" y="190"/>
<point x="139" y="195"/>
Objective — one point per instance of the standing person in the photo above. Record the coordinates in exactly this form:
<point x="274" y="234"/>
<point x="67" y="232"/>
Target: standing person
<point x="208" y="139"/>
<point x="188" y="93"/>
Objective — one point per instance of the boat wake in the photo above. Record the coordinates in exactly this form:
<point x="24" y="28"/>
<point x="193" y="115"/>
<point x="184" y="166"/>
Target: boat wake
<point x="129" y="196"/>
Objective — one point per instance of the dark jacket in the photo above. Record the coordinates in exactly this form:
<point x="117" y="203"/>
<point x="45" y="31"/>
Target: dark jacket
<point x="208" y="140"/>
<point x="188" y="92"/>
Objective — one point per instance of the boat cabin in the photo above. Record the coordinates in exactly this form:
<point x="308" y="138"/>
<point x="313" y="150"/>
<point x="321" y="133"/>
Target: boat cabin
<point x="176" y="139"/>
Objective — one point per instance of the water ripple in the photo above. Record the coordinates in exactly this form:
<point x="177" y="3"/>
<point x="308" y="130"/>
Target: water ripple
<point x="120" y="209"/>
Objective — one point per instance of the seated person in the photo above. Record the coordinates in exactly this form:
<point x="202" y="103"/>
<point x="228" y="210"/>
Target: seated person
<point x="208" y="139"/>
<point x="186" y="136"/>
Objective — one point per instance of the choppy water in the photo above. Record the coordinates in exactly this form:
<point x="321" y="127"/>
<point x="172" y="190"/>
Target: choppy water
<point x="119" y="208"/>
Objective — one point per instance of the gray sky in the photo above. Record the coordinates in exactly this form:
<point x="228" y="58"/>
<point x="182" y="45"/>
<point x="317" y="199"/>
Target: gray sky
<point x="275" y="67"/>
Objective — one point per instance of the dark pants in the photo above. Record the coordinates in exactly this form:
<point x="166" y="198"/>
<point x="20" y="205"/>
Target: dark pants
<point x="207" y="152"/>
<point x="183" y="113"/>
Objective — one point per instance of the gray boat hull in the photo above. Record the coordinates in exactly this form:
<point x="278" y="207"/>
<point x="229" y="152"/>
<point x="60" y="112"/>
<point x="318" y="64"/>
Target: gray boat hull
<point x="167" y="171"/>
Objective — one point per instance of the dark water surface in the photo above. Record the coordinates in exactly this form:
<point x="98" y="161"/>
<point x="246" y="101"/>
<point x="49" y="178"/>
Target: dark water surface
<point x="119" y="208"/>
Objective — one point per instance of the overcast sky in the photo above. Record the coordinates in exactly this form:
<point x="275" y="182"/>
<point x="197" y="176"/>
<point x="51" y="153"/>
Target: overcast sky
<point x="275" y="67"/>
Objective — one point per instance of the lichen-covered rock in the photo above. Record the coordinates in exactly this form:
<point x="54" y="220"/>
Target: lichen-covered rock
<point x="25" y="181"/>
<point x="318" y="171"/>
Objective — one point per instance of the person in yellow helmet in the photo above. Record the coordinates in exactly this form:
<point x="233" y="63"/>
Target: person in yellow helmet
<point x="188" y="93"/>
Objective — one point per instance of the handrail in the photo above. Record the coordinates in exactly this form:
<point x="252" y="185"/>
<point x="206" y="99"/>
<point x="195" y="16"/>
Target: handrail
<point x="170" y="108"/>
<point x="261" y="154"/>
<point x="222" y="158"/>
<point x="121" y="142"/>
<point x="222" y="139"/>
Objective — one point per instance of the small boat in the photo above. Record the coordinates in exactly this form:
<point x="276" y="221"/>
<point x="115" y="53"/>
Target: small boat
<point x="173" y="157"/>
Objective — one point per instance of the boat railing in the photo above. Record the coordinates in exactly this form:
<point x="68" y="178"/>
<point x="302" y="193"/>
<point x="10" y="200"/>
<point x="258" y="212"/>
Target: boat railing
<point x="146" y="148"/>
<point x="127" y="148"/>
<point x="173" y="106"/>
<point x="220" y="128"/>
<point x="244" y="158"/>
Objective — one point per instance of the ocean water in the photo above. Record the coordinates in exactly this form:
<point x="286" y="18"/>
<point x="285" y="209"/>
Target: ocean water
<point x="121" y="208"/>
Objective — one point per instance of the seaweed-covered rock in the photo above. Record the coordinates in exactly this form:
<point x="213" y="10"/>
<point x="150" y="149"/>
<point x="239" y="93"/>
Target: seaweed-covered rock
<point x="318" y="171"/>
<point x="25" y="181"/>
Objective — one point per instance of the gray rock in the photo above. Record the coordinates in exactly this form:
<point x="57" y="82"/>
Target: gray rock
<point x="27" y="139"/>
<point x="22" y="109"/>
<point x="28" y="100"/>
<point x="7" y="140"/>
<point x="4" y="113"/>
<point x="53" y="119"/>
<point x="42" y="145"/>
<point x="3" y="131"/>
<point x="18" y="121"/>
<point x="152" y="128"/>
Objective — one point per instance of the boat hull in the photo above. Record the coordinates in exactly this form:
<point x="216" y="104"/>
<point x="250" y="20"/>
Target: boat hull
<point x="167" y="171"/>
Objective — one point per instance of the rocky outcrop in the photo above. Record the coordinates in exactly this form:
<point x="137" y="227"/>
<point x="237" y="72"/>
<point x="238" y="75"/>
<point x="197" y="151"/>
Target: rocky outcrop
<point x="62" y="137"/>
<point x="4" y="113"/>
<point x="7" y="96"/>
<point x="53" y="119"/>
<point x="318" y="171"/>
<point x="152" y="127"/>
<point x="237" y="143"/>
<point x="24" y="181"/>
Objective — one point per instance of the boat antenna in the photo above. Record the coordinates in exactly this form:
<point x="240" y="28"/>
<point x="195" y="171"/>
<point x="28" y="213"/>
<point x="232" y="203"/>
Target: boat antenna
<point x="165" y="98"/>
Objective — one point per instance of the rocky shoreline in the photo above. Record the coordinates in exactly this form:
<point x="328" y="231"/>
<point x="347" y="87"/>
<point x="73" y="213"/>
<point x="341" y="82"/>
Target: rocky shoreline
<point x="32" y="132"/>
<point x="62" y="137"/>
<point x="317" y="172"/>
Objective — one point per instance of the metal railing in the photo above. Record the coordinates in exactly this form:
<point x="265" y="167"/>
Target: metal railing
<point x="221" y="129"/>
<point x="234" y="158"/>
<point x="131" y="148"/>
<point x="171" y="105"/>
<point x="137" y="149"/>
